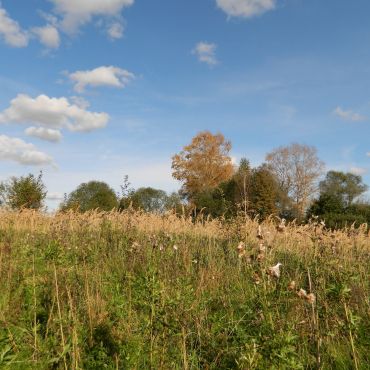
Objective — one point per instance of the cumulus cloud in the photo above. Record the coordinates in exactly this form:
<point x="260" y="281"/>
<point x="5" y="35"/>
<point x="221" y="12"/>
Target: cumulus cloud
<point x="53" y="113"/>
<point x="44" y="133"/>
<point x="358" y="171"/>
<point x="348" y="115"/>
<point x="245" y="8"/>
<point x="11" y="31"/>
<point x="48" y="36"/>
<point x="77" y="13"/>
<point x="101" y="76"/>
<point x="206" y="52"/>
<point x="17" y="150"/>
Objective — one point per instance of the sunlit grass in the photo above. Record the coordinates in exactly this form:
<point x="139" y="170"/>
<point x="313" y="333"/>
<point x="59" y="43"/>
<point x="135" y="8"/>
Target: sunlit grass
<point x="139" y="291"/>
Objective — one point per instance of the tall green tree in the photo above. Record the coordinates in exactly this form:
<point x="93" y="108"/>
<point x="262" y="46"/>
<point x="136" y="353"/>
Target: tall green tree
<point x="91" y="195"/>
<point x="149" y="199"/>
<point x="346" y="186"/>
<point x="23" y="192"/>
<point x="336" y="203"/>
<point x="263" y="192"/>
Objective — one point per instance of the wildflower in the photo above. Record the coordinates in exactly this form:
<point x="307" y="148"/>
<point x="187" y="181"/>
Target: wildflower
<point x="292" y="285"/>
<point x="241" y="250"/>
<point x="256" y="278"/>
<point x="302" y="293"/>
<point x="281" y="226"/>
<point x="259" y="233"/>
<point x="260" y="257"/>
<point x="134" y="246"/>
<point x="261" y="248"/>
<point x="275" y="270"/>
<point x="311" y="298"/>
<point x="241" y="246"/>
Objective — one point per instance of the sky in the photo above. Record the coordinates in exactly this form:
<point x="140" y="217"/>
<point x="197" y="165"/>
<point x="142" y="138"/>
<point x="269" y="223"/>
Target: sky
<point x="100" y="89"/>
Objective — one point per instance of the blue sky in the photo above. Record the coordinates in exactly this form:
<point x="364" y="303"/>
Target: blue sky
<point x="106" y="88"/>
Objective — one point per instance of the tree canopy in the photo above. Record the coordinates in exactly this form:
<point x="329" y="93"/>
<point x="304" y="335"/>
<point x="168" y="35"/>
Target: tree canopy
<point x="203" y="164"/>
<point x="346" y="186"/>
<point x="297" y="169"/>
<point x="23" y="192"/>
<point x="91" y="195"/>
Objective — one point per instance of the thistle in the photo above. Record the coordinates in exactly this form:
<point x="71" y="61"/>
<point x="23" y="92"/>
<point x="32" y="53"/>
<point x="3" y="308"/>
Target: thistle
<point x="275" y="270"/>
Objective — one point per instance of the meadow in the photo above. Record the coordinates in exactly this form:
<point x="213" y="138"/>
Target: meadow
<point x="134" y="290"/>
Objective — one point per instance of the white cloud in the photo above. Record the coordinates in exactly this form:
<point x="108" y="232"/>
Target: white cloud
<point x="43" y="133"/>
<point x="101" y="76"/>
<point x="115" y="30"/>
<point x="206" y="52"/>
<point x="11" y="32"/>
<point x="17" y="150"/>
<point x="48" y="36"/>
<point x="358" y="171"/>
<point x="77" y="13"/>
<point x="245" y="8"/>
<point x="52" y="113"/>
<point x="348" y="115"/>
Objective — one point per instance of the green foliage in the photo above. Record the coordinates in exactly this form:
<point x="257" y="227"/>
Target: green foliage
<point x="264" y="192"/>
<point x="345" y="186"/>
<point x="151" y="200"/>
<point x="98" y="293"/>
<point x="23" y="192"/>
<point x="90" y="196"/>
<point x="253" y="191"/>
<point x="336" y="204"/>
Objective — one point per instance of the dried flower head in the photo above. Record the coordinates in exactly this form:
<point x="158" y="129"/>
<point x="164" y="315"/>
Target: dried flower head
<point x="302" y="293"/>
<point x="241" y="246"/>
<point x="260" y="257"/>
<point x="275" y="270"/>
<point x="261" y="248"/>
<point x="259" y="232"/>
<point x="281" y="227"/>
<point x="256" y="278"/>
<point x="311" y="298"/>
<point x="241" y="250"/>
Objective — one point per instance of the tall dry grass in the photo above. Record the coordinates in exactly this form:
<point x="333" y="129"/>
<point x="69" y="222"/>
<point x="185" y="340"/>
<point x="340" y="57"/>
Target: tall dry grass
<point x="133" y="291"/>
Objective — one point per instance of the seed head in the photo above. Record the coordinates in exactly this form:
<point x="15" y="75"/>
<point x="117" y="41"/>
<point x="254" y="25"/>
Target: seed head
<point x="275" y="270"/>
<point x="311" y="298"/>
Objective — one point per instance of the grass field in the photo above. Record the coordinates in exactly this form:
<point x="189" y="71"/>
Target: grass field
<point x="140" y="291"/>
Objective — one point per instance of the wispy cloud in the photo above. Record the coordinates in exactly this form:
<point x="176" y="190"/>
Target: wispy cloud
<point x="206" y="52"/>
<point x="48" y="36"/>
<point x="74" y="14"/>
<point x="245" y="8"/>
<point x="358" y="170"/>
<point x="11" y="31"/>
<point x="348" y="115"/>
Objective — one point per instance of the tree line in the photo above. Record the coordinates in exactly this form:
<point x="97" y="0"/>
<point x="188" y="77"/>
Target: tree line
<point x="287" y="185"/>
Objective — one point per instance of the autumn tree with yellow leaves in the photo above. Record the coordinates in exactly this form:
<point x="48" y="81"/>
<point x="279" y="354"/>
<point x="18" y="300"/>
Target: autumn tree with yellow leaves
<point x="203" y="164"/>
